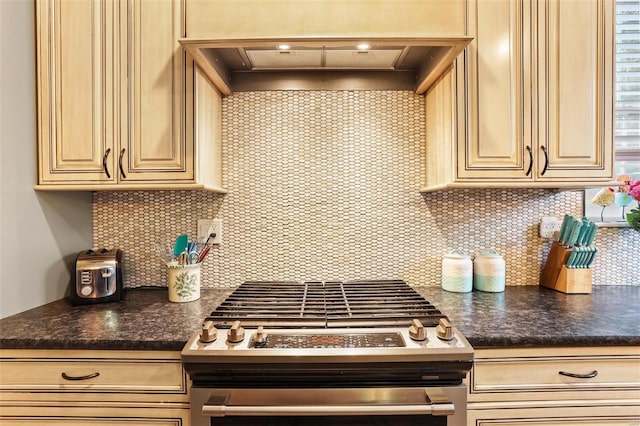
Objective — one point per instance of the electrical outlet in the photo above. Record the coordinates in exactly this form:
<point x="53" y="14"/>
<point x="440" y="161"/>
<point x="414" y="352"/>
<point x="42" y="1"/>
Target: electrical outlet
<point x="208" y="226"/>
<point x="548" y="226"/>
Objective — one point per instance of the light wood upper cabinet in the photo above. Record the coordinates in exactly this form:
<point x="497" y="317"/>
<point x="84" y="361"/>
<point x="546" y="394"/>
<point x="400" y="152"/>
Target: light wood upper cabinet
<point x="77" y="53"/>
<point x="492" y="85"/>
<point x="115" y="95"/>
<point x="575" y="87"/>
<point x="532" y="98"/>
<point x="154" y="96"/>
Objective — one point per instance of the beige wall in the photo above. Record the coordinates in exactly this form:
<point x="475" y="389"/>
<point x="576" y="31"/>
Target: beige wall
<point x="324" y="185"/>
<point x="39" y="233"/>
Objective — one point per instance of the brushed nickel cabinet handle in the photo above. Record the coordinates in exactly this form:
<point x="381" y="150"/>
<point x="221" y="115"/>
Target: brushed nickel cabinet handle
<point x="87" y="377"/>
<point x="530" y="160"/>
<point x="546" y="160"/>
<point x="120" y="164"/>
<point x="591" y="375"/>
<point x="104" y="163"/>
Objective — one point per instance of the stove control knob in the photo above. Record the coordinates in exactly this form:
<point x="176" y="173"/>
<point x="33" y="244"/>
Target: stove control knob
<point x="209" y="332"/>
<point x="260" y="337"/>
<point x="444" y="331"/>
<point x="417" y="331"/>
<point x="235" y="333"/>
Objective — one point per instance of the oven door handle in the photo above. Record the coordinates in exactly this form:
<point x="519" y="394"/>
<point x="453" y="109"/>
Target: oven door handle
<point x="221" y="404"/>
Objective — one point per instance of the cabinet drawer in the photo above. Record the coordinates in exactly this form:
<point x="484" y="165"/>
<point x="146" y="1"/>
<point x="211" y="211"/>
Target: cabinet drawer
<point x="67" y="414"/>
<point x="540" y="370"/>
<point x="98" y="375"/>
<point x="106" y="375"/>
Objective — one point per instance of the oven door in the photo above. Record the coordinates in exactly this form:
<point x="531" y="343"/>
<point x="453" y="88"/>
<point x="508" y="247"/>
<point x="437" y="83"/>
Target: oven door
<point x="329" y="406"/>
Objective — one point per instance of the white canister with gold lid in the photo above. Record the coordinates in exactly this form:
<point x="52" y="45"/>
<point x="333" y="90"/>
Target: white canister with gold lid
<point x="457" y="272"/>
<point x="489" y="271"/>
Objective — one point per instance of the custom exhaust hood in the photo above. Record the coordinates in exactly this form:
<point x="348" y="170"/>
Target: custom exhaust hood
<point x="307" y="63"/>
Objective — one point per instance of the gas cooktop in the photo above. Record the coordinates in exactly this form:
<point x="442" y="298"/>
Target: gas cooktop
<point x="325" y="304"/>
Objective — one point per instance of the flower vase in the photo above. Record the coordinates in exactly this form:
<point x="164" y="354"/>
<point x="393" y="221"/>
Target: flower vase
<point x="623" y="199"/>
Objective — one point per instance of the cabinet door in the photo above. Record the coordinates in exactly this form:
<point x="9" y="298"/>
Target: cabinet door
<point x="74" y="414"/>
<point x="154" y="145"/>
<point x="440" y="127"/>
<point x="554" y="415"/>
<point x="494" y="132"/>
<point x="575" y="88"/>
<point x="76" y="86"/>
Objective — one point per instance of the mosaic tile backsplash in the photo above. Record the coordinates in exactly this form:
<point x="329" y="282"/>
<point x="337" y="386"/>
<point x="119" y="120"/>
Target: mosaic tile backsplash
<point x="324" y="185"/>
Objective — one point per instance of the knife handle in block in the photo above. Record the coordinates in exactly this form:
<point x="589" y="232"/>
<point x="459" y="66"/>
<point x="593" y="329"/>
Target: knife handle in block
<point x="564" y="229"/>
<point x="593" y="229"/>
<point x="576" y="225"/>
<point x="572" y="258"/>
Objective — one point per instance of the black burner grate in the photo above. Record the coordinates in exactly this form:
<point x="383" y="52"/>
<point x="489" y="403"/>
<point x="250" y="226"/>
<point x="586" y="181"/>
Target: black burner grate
<point x="330" y="304"/>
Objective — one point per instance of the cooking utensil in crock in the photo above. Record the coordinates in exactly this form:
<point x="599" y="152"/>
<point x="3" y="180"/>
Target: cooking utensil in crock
<point x="181" y="244"/>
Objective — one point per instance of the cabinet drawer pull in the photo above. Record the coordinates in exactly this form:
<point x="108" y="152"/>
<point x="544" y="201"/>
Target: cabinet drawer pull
<point x="87" y="377"/>
<point x="546" y="160"/>
<point x="120" y="164"/>
<point x="591" y="375"/>
<point x="530" y="160"/>
<point x="104" y="163"/>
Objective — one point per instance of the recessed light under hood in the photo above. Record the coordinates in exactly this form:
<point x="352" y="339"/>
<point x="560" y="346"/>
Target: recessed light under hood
<point x="330" y="64"/>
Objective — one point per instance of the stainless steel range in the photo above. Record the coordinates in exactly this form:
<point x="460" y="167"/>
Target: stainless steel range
<point x="355" y="352"/>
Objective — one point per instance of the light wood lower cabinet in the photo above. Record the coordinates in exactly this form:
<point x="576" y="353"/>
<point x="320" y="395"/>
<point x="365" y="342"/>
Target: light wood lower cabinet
<point x="93" y="416"/>
<point x="574" y="416"/>
<point x="551" y="386"/>
<point x="92" y="388"/>
<point x="506" y="386"/>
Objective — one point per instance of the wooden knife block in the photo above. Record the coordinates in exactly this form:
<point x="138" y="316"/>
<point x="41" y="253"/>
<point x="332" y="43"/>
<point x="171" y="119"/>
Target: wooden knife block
<point x="557" y="276"/>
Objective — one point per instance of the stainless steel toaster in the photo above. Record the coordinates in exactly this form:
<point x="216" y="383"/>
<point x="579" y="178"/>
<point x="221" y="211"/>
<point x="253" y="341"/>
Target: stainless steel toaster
<point x="98" y="277"/>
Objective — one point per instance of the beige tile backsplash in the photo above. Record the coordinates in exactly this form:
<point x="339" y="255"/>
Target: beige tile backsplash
<point x="324" y="185"/>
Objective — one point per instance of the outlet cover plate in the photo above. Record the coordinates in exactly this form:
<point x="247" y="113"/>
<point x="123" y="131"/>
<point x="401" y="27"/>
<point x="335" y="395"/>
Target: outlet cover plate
<point x="207" y="226"/>
<point x="548" y="226"/>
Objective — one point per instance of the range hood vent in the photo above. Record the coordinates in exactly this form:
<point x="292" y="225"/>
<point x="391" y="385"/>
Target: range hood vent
<point x="324" y="64"/>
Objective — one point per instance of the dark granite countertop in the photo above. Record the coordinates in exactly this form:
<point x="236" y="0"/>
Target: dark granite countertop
<point x="145" y="320"/>
<point x="519" y="317"/>
<point x="524" y="316"/>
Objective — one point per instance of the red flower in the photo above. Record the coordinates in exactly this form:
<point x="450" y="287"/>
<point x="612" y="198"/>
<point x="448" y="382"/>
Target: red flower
<point x="634" y="190"/>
